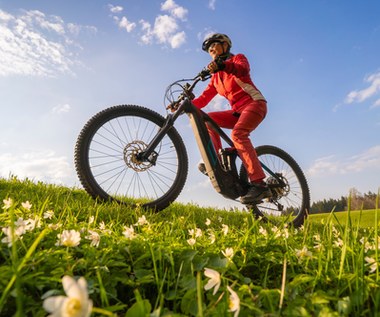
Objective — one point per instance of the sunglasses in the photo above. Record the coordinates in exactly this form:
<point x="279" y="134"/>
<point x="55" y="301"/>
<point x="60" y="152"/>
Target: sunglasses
<point x="213" y="45"/>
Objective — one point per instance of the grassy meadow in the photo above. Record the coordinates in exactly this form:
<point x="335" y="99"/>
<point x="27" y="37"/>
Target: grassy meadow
<point x="64" y="254"/>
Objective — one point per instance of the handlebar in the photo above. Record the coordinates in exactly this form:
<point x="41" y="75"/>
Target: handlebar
<point x="186" y="90"/>
<point x="204" y="74"/>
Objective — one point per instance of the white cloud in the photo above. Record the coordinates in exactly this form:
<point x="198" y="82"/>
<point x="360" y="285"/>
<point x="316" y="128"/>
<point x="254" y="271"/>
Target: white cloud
<point x="127" y="25"/>
<point x="219" y="103"/>
<point x="4" y="16"/>
<point x="40" y="166"/>
<point x="376" y="104"/>
<point x="331" y="165"/>
<point x="115" y="9"/>
<point x="34" y="44"/>
<point x="122" y="22"/>
<point x="174" y="9"/>
<point x="76" y="29"/>
<point x="38" y="19"/>
<point x="178" y="39"/>
<point x="147" y="37"/>
<point x="211" y="4"/>
<point x="165" y="30"/>
<point x="61" y="109"/>
<point x="164" y="27"/>
<point x="358" y="96"/>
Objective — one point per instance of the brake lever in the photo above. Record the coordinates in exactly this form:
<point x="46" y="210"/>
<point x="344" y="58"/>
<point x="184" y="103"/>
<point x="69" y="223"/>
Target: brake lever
<point x="173" y="106"/>
<point x="204" y="74"/>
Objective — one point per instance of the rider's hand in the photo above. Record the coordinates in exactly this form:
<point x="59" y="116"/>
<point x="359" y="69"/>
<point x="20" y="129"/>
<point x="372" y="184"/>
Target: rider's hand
<point x="216" y="65"/>
<point x="212" y="67"/>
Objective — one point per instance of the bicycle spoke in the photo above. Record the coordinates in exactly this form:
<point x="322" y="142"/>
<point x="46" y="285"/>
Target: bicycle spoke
<point x="121" y="176"/>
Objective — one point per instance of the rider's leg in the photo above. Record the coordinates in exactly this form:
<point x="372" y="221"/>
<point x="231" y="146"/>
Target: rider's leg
<point x="224" y="119"/>
<point x="248" y="121"/>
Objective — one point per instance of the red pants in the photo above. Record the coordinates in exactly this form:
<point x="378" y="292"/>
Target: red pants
<point x="250" y="117"/>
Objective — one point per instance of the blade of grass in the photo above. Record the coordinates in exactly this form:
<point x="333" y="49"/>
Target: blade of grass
<point x="283" y="284"/>
<point x="20" y="266"/>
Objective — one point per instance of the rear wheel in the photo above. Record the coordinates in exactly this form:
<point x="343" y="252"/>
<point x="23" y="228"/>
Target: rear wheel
<point x="290" y="201"/>
<point x="107" y="164"/>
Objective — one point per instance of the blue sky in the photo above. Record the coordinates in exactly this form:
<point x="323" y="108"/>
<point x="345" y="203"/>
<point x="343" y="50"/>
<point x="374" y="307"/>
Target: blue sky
<point x="316" y="62"/>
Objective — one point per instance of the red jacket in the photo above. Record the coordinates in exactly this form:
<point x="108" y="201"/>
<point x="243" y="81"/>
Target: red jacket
<point x="233" y="82"/>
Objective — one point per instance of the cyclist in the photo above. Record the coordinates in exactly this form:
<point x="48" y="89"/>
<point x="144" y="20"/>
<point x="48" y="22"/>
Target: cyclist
<point x="231" y="79"/>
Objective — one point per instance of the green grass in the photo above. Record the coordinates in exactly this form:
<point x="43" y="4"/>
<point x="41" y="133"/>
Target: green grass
<point x="362" y="218"/>
<point x="326" y="268"/>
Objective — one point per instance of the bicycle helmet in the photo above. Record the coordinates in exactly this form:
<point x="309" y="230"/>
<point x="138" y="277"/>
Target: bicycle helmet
<point x="217" y="37"/>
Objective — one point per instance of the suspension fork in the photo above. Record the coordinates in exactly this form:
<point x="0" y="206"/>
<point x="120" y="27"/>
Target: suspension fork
<point x="149" y="154"/>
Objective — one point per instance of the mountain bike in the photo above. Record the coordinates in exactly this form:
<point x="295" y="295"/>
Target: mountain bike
<point x="135" y="156"/>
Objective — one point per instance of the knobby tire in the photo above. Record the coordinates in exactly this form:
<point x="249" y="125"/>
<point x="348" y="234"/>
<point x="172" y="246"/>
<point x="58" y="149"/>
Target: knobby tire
<point x="294" y="199"/>
<point x="106" y="164"/>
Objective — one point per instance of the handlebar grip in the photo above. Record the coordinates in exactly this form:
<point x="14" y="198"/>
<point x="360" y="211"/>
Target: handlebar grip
<point x="204" y="74"/>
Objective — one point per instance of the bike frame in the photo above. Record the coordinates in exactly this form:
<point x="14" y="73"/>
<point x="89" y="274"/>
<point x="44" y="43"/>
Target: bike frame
<point x="225" y="180"/>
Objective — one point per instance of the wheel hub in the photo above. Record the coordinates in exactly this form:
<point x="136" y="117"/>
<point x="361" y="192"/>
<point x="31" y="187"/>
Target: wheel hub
<point x="131" y="151"/>
<point x="279" y="190"/>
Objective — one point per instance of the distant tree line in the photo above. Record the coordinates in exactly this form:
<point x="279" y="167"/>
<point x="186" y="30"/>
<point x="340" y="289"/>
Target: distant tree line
<point x="355" y="198"/>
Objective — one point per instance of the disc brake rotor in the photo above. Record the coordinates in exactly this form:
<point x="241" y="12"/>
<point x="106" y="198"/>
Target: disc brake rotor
<point x="279" y="191"/>
<point x="131" y="151"/>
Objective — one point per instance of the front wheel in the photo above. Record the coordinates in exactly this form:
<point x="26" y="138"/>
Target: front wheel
<point x="107" y="164"/>
<point x="290" y="201"/>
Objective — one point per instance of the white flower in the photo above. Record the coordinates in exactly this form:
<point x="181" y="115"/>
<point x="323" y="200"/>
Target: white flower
<point x="27" y="205"/>
<point x="91" y="219"/>
<point x="11" y="237"/>
<point x="318" y="247"/>
<point x="263" y="231"/>
<point x="212" y="237"/>
<point x="102" y="226"/>
<point x="191" y="241"/>
<point x="234" y="303"/>
<point x="94" y="237"/>
<point x="142" y="221"/>
<point x="68" y="238"/>
<point x="129" y="232"/>
<point x="228" y="253"/>
<point x="372" y="264"/>
<point x="30" y="224"/>
<point x="339" y="243"/>
<point x="208" y="222"/>
<point x="54" y="226"/>
<point x="335" y="231"/>
<point x="225" y="229"/>
<point x="20" y="226"/>
<point x="304" y="252"/>
<point x="214" y="280"/>
<point x="285" y="233"/>
<point x="48" y="214"/>
<point x="75" y="304"/>
<point x="7" y="203"/>
<point x="366" y="243"/>
<point x="195" y="233"/>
